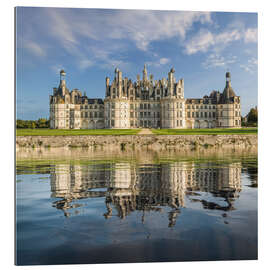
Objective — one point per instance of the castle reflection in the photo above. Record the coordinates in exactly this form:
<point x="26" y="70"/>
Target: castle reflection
<point x="128" y="187"/>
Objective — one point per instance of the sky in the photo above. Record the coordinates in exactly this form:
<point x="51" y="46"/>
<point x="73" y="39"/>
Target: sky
<point x="90" y="43"/>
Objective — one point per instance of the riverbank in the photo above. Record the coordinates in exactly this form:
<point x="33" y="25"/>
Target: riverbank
<point x="139" y="142"/>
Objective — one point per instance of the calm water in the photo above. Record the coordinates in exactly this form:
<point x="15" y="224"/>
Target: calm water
<point x="101" y="210"/>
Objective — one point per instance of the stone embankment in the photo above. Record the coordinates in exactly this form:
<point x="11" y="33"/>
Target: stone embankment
<point x="140" y="142"/>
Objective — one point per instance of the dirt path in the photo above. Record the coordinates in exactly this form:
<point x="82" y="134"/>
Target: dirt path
<point x="145" y="131"/>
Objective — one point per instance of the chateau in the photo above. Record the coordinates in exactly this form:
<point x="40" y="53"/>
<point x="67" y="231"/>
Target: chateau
<point x="146" y="103"/>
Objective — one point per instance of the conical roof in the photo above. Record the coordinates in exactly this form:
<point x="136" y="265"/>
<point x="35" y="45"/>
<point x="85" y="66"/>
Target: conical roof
<point x="228" y="91"/>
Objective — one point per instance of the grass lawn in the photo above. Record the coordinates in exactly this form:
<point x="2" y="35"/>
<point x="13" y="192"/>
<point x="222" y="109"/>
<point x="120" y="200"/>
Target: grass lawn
<point x="74" y="132"/>
<point x="214" y="131"/>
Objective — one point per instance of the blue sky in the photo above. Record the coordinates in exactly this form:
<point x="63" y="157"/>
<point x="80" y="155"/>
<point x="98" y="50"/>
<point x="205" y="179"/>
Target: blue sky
<point x="90" y="43"/>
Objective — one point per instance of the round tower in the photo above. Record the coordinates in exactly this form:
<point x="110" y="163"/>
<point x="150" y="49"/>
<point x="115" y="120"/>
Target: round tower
<point x="173" y="104"/>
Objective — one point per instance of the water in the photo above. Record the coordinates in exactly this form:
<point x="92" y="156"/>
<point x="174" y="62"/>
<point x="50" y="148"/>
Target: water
<point x="94" y="209"/>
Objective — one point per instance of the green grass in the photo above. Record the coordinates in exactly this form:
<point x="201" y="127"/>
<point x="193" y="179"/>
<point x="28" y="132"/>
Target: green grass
<point x="74" y="132"/>
<point x="214" y="131"/>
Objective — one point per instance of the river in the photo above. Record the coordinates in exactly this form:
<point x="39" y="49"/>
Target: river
<point x="139" y="207"/>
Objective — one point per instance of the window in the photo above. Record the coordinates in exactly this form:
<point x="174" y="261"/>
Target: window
<point x="214" y="114"/>
<point x="95" y="114"/>
<point x="205" y="114"/>
<point x="188" y="114"/>
<point x="236" y="122"/>
<point x="197" y="114"/>
<point x="131" y="106"/>
<point x="205" y="107"/>
<point x="141" y="106"/>
<point x="193" y="114"/>
<point x="148" y="105"/>
<point x="201" y="114"/>
<point x="145" y="106"/>
<point x="131" y="114"/>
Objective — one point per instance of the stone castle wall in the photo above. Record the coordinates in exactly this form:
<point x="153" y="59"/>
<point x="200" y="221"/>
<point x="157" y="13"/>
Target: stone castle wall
<point x="140" y="142"/>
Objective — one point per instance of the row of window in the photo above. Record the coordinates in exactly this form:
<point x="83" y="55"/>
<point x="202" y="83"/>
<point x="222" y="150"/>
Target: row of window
<point x="202" y="114"/>
<point x="145" y="114"/>
<point x="201" y="107"/>
<point x="92" y="114"/>
<point x="91" y="106"/>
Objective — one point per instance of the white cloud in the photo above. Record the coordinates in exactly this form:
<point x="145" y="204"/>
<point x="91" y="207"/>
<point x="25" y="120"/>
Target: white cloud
<point x="159" y="62"/>
<point x="251" y="65"/>
<point x="251" y="35"/>
<point x="216" y="60"/>
<point x="34" y="48"/>
<point x="200" y="42"/>
<point x="205" y="40"/>
<point x="85" y="63"/>
<point x="164" y="61"/>
<point x="140" y="26"/>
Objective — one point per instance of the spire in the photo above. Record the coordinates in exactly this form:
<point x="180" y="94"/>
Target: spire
<point x="62" y="76"/>
<point x="228" y="78"/>
<point x="228" y="91"/>
<point x="62" y="85"/>
<point x="144" y="73"/>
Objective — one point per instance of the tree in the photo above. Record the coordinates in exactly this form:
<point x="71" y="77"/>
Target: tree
<point x="42" y="123"/>
<point x="253" y="116"/>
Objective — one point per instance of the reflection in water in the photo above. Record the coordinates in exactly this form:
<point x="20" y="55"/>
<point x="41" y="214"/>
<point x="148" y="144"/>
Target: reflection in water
<point x="128" y="188"/>
<point x="151" y="209"/>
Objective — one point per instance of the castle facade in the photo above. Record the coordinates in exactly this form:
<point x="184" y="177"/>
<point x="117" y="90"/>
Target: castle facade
<point x="146" y="103"/>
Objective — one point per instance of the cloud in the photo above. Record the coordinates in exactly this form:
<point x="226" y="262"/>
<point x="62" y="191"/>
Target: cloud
<point x="164" y="61"/>
<point x="216" y="60"/>
<point x="251" y="35"/>
<point x="85" y="63"/>
<point x="76" y="29"/>
<point x="34" y="48"/>
<point x="205" y="40"/>
<point x="251" y="65"/>
<point x="159" y="62"/>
